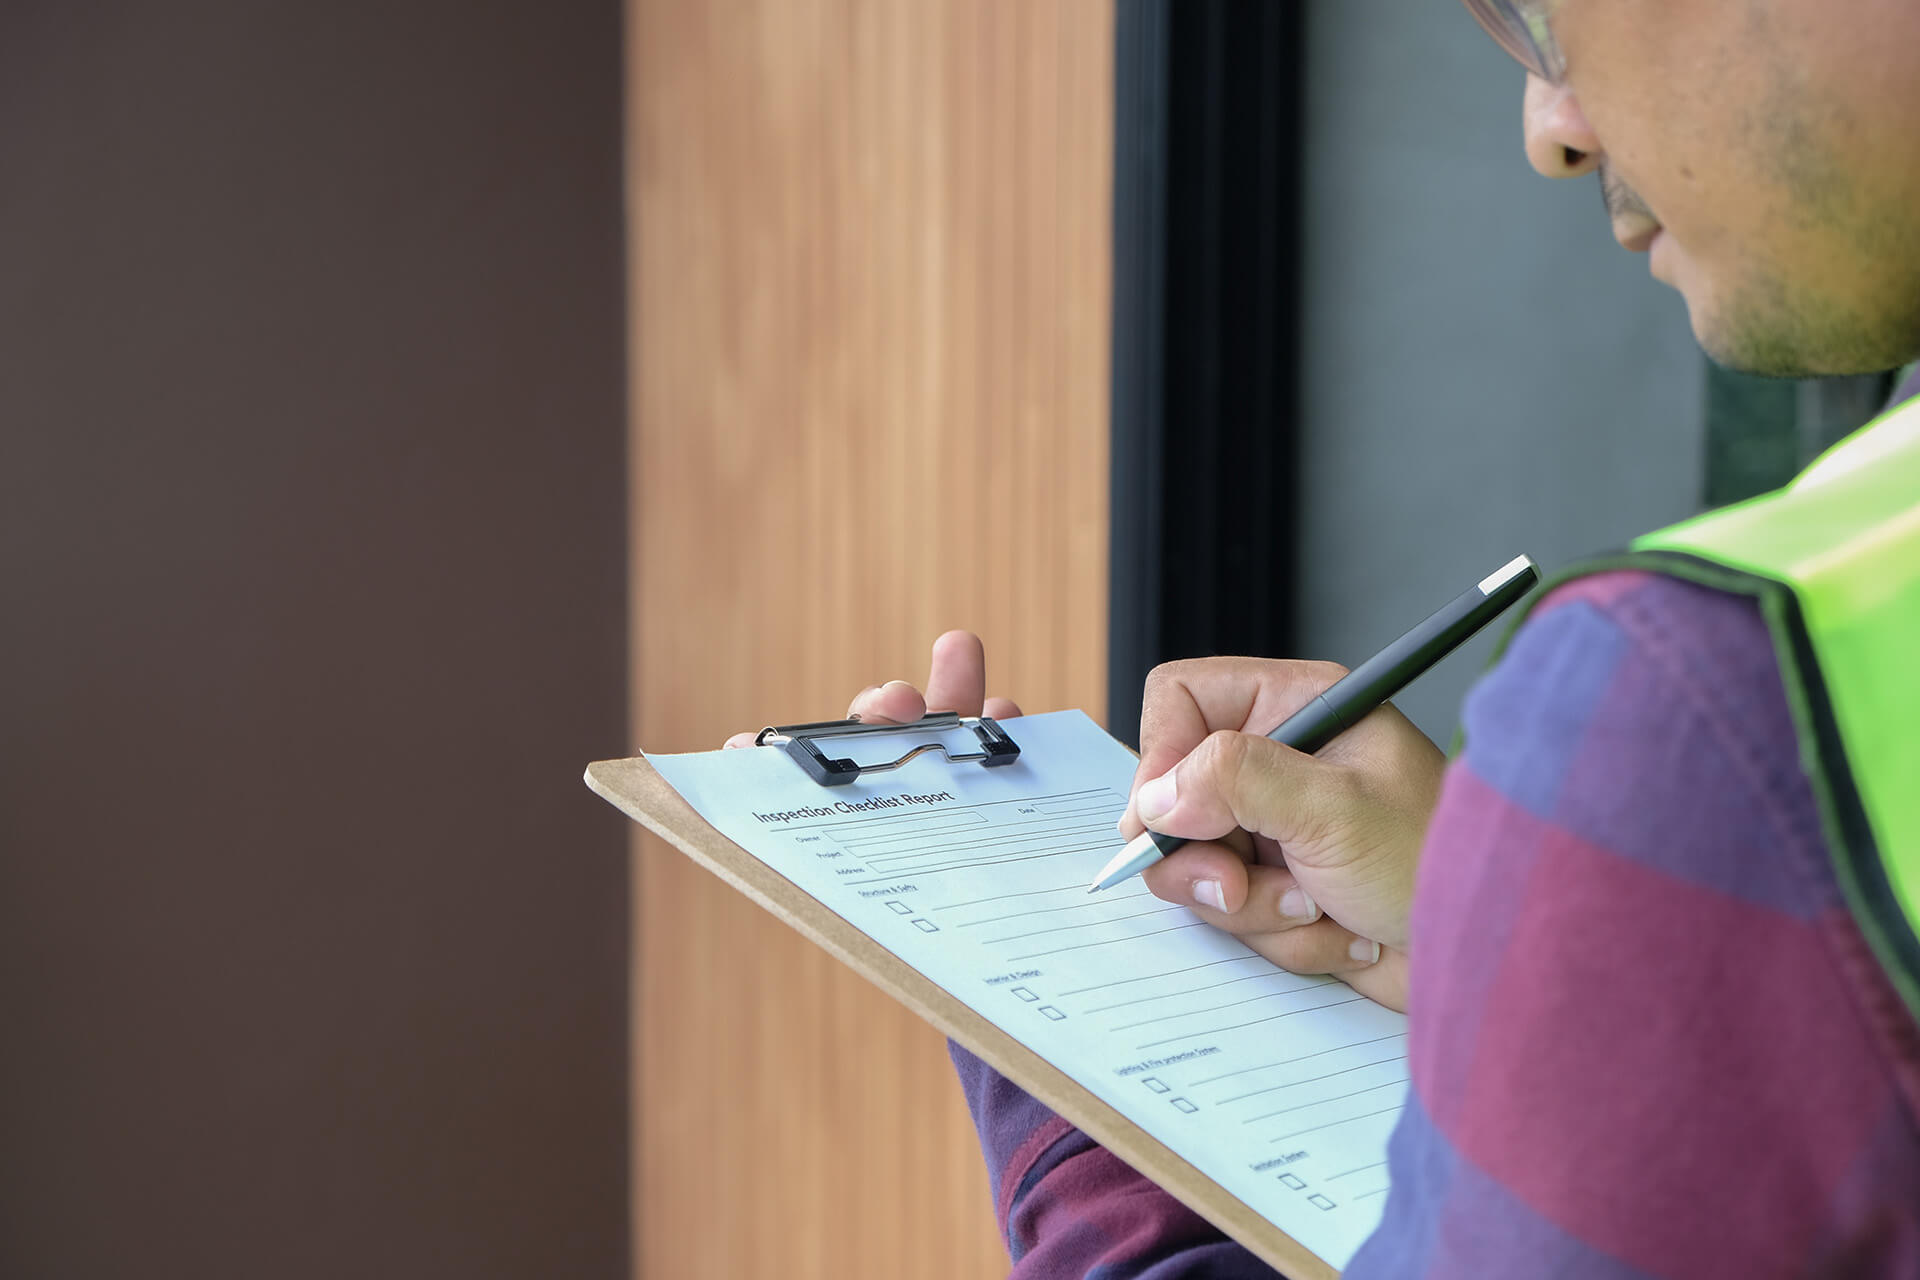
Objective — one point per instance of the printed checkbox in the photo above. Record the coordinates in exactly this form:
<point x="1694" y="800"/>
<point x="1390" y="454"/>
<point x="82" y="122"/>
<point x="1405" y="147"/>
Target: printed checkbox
<point x="898" y="907"/>
<point x="926" y="926"/>
<point x="1320" y="1201"/>
<point x="1156" y="1084"/>
<point x="1181" y="1104"/>
<point x="1052" y="1012"/>
<point x="1292" y="1183"/>
<point x="1026" y="994"/>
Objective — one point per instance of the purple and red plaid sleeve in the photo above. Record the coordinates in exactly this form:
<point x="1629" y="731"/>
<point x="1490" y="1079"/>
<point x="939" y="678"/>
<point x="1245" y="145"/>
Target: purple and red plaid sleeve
<point x="1647" y="1038"/>
<point x="1067" y="1206"/>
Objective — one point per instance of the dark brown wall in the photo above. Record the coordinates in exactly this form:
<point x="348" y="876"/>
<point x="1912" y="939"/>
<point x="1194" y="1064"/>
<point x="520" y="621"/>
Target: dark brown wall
<point x="312" y="945"/>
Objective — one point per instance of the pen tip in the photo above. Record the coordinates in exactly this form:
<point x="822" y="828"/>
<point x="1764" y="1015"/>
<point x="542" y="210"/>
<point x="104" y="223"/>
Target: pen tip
<point x="1093" y="888"/>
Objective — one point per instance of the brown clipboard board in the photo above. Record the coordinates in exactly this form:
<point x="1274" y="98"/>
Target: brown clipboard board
<point x="637" y="790"/>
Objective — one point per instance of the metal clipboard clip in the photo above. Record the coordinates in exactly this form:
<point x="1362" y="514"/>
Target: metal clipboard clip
<point x="801" y="740"/>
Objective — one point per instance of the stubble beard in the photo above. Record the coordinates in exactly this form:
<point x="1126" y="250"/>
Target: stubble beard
<point x="1767" y="327"/>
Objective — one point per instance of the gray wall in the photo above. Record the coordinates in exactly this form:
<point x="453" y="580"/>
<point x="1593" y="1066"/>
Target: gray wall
<point x="1486" y="371"/>
<point x="312" y="945"/>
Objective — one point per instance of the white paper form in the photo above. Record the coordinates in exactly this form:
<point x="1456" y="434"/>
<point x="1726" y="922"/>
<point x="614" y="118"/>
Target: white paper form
<point x="1280" y="1087"/>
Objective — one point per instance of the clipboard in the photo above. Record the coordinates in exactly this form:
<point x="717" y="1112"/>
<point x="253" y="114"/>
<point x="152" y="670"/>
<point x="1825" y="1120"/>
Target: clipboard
<point x="635" y="788"/>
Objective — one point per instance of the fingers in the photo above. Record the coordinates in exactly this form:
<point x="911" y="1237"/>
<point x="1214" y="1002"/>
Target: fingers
<point x="1263" y="906"/>
<point x="894" y="702"/>
<point x="1321" y="947"/>
<point x="958" y="680"/>
<point x="1385" y="980"/>
<point x="1220" y="878"/>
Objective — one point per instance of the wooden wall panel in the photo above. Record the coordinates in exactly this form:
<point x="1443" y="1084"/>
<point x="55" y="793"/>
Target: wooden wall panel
<point x="870" y="303"/>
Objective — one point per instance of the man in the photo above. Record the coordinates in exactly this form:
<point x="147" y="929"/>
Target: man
<point x="1648" y="1035"/>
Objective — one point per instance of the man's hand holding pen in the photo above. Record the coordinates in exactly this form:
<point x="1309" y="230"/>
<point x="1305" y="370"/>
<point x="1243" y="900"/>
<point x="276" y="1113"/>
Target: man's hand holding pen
<point x="1309" y="860"/>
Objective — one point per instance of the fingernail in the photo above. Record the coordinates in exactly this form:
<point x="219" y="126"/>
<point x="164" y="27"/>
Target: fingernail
<point x="1296" y="905"/>
<point x="1363" y="952"/>
<point x="1154" y="798"/>
<point x="1207" y="894"/>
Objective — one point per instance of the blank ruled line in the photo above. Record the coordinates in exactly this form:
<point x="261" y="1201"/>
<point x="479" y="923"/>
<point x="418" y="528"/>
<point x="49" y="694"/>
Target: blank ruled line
<point x="1002" y="897"/>
<point x="963" y="823"/>
<point x="908" y="828"/>
<point x="1231" y="1004"/>
<point x="1083" y="808"/>
<point x="896" y="872"/>
<point x="1211" y="986"/>
<point x="1335" y="1123"/>
<point x="1377" y="1164"/>
<point x="1318" y="1102"/>
<point x="1121" y="982"/>
<point x="965" y="866"/>
<point x="982" y="854"/>
<point x="1275" y="1088"/>
<point x="1104" y="808"/>
<point x="1090" y="924"/>
<point x="959" y="858"/>
<point x="1377" y="1191"/>
<point x="993" y="848"/>
<point x="951" y="848"/>
<point x="1214" y="1031"/>
<point x="991" y="836"/>
<point x="1266" y="1066"/>
<point x="1132" y="937"/>
<point x="1101" y="901"/>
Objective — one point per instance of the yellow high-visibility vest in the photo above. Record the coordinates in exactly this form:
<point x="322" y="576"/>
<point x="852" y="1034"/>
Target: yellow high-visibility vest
<point x="1833" y="560"/>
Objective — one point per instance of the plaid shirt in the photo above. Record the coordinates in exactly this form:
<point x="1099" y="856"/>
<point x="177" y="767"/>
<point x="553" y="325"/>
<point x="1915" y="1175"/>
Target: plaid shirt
<point x="1647" y="1037"/>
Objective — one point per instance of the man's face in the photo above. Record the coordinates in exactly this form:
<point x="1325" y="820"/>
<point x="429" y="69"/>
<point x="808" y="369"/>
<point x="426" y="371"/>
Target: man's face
<point x="1766" y="153"/>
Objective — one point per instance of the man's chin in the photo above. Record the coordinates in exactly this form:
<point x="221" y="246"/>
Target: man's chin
<point x="1739" y="339"/>
<point x="1759" y="325"/>
<point x="1785" y="352"/>
<point x="1742" y="344"/>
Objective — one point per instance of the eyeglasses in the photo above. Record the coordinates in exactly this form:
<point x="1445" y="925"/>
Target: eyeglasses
<point x="1520" y="27"/>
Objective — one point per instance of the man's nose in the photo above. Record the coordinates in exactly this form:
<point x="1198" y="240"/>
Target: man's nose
<point x="1560" y="142"/>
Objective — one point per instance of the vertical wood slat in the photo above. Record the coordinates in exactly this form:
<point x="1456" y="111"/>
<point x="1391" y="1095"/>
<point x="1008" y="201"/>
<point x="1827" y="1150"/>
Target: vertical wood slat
<point x="869" y="281"/>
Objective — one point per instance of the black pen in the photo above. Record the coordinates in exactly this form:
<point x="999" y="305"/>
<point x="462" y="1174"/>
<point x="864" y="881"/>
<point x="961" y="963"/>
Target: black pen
<point x="1360" y="691"/>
